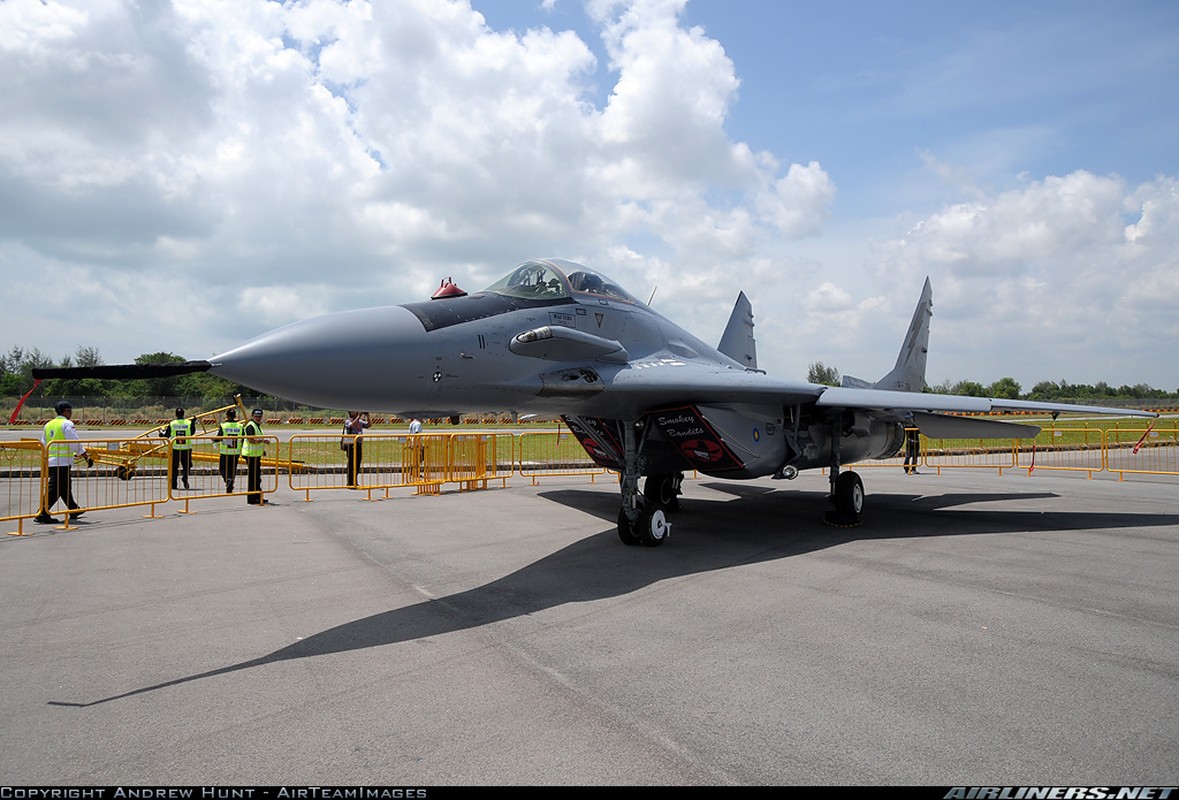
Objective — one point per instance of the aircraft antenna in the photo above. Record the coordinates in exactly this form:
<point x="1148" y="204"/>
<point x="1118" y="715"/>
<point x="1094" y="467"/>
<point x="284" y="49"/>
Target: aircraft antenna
<point x="652" y="297"/>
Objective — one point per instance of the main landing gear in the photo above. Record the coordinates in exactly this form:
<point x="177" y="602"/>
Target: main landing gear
<point x="847" y="490"/>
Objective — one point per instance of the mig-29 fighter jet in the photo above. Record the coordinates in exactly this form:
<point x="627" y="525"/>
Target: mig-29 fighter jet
<point x="644" y="396"/>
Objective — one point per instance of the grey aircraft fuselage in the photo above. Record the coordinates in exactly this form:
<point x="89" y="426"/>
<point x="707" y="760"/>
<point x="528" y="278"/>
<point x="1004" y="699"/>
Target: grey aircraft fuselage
<point x="558" y="339"/>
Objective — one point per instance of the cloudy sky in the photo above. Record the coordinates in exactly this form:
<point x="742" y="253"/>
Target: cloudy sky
<point x="183" y="175"/>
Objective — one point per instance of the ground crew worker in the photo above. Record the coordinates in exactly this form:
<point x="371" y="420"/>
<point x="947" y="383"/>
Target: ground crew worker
<point x="353" y="445"/>
<point x="415" y="427"/>
<point x="229" y="446"/>
<point x="179" y="430"/>
<point x="912" y="447"/>
<point x="253" y="449"/>
<point x="61" y="440"/>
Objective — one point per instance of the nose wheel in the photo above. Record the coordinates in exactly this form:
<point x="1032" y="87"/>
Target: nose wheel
<point x="649" y="528"/>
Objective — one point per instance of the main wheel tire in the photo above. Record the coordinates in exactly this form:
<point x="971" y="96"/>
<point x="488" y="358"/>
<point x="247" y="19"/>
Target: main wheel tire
<point x="627" y="532"/>
<point x="849" y="495"/>
<point x="661" y="490"/>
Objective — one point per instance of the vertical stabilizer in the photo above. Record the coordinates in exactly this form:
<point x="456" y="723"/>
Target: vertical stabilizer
<point x="909" y="373"/>
<point x="737" y="342"/>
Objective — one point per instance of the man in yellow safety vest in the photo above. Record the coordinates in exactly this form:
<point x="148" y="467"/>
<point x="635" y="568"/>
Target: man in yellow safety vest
<point x="229" y="446"/>
<point x="179" y="430"/>
<point x="60" y="438"/>
<point x="253" y="448"/>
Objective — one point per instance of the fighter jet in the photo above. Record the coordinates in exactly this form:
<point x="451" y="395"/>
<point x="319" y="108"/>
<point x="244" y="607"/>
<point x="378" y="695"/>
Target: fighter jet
<point x="645" y="397"/>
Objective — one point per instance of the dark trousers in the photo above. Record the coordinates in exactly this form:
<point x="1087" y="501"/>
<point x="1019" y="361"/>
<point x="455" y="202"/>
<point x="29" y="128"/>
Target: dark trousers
<point x="912" y="450"/>
<point x="181" y="463"/>
<point x="254" y="480"/>
<point x="59" y="489"/>
<point x="227" y="467"/>
<point x="354" y="456"/>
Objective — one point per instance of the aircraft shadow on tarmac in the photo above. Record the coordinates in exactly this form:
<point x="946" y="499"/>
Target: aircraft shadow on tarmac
<point x="708" y="534"/>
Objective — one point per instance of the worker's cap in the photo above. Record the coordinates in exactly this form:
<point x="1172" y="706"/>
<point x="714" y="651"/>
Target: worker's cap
<point x="63" y="405"/>
<point x="257" y="412"/>
<point x="231" y="414"/>
<point x="180" y="412"/>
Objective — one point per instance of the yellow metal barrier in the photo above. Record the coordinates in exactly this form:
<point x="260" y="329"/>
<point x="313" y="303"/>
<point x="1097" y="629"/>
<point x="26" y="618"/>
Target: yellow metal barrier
<point x="22" y="465"/>
<point x="996" y="454"/>
<point x="380" y="461"/>
<point x="1066" y="448"/>
<point x="209" y="477"/>
<point x="1143" y="451"/>
<point x="476" y="458"/>
<point x="323" y="461"/>
<point x="205" y="478"/>
<point x="554" y="453"/>
<point x="107" y="484"/>
<point x="138" y="472"/>
<point x="424" y="461"/>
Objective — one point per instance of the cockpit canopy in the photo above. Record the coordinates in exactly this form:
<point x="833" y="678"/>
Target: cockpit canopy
<point x="557" y="279"/>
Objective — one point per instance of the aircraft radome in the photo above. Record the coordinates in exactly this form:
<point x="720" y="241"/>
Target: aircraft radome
<point x="644" y="396"/>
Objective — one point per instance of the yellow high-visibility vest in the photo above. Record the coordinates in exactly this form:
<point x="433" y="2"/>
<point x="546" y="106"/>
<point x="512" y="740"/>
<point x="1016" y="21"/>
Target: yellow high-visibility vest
<point x="231" y="442"/>
<point x="252" y="449"/>
<point x="55" y="438"/>
<point x="181" y="430"/>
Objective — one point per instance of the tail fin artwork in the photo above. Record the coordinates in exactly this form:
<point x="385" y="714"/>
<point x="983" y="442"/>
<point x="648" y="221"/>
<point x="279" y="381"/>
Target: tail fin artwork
<point x="737" y="342"/>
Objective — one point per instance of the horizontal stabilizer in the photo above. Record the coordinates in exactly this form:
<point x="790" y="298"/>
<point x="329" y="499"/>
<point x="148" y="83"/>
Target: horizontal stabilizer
<point x="123" y="371"/>
<point x="737" y="341"/>
<point x="938" y="426"/>
<point x="558" y="343"/>
<point x="856" y="383"/>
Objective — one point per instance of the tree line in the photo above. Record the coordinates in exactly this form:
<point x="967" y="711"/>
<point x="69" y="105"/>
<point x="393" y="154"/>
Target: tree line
<point x="1010" y="389"/>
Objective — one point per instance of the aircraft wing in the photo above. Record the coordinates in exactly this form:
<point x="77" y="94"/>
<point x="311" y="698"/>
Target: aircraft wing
<point x="905" y="402"/>
<point x="633" y="390"/>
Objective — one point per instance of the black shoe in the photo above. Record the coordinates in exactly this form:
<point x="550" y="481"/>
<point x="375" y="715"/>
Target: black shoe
<point x="229" y="488"/>
<point x="185" y="484"/>
<point x="44" y="519"/>
<point x="76" y="514"/>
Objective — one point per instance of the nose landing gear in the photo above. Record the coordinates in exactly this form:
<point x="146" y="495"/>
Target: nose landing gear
<point x="649" y="528"/>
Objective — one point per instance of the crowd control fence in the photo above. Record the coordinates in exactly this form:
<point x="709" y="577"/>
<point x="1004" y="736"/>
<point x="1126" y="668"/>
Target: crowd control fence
<point x="22" y="465"/>
<point x="554" y="453"/>
<point x="147" y="471"/>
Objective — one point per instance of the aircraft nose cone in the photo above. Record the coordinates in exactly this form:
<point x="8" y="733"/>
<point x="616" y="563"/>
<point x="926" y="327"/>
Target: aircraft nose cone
<point x="353" y="359"/>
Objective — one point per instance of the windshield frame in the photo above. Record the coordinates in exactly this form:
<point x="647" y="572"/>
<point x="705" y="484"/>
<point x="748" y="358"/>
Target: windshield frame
<point x="557" y="279"/>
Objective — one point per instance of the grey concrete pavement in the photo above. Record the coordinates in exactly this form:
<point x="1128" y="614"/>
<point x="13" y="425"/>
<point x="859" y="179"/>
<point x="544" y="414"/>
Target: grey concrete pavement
<point x="976" y="630"/>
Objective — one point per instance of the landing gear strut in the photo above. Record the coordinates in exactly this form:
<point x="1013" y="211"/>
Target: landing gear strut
<point x="642" y="519"/>
<point x="847" y="489"/>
